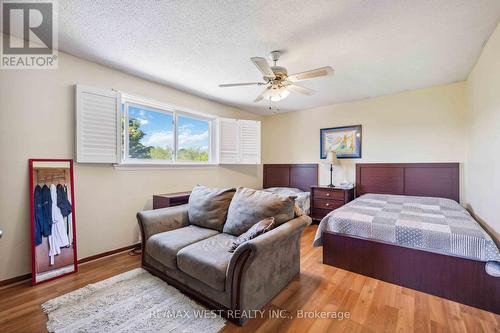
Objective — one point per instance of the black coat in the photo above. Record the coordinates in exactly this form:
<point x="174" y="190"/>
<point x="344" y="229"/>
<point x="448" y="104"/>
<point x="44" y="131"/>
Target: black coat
<point x="62" y="201"/>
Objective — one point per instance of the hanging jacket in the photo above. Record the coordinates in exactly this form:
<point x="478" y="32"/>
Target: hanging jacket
<point x="59" y="237"/>
<point x="46" y="211"/>
<point x="69" y="219"/>
<point x="38" y="214"/>
<point x="62" y="201"/>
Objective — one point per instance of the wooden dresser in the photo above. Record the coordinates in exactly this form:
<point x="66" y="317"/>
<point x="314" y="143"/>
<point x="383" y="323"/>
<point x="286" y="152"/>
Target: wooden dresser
<point x="170" y="199"/>
<point x="324" y="199"/>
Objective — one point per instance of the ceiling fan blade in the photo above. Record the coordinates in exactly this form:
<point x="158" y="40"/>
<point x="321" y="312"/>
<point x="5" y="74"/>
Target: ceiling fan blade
<point x="240" y="84"/>
<point x="263" y="67"/>
<point x="300" y="89"/>
<point x="307" y="75"/>
<point x="262" y="95"/>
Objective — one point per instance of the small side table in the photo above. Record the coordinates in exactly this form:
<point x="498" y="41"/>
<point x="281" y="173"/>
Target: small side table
<point x="324" y="199"/>
<point x="170" y="199"/>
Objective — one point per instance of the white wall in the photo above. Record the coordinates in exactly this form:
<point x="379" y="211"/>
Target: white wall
<point x="426" y="125"/>
<point x="37" y="120"/>
<point x="483" y="119"/>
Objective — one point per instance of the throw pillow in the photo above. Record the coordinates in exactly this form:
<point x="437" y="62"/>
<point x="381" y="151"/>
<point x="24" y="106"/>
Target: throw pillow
<point x="250" y="206"/>
<point x="257" y="229"/>
<point x="207" y="207"/>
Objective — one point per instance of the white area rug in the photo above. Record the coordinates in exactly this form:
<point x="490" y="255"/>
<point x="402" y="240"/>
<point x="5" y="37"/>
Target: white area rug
<point x="130" y="302"/>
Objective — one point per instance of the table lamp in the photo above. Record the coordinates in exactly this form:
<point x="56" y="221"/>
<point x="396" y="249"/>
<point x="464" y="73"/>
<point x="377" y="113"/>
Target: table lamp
<point x="331" y="158"/>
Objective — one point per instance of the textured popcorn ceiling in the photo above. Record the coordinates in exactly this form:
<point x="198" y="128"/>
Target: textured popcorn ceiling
<point x="376" y="47"/>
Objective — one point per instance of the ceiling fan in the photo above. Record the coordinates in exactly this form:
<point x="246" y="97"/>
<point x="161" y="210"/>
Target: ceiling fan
<point x="277" y="81"/>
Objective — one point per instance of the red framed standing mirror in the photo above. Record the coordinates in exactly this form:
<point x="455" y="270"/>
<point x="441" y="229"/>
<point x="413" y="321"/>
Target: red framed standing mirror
<point x="53" y="233"/>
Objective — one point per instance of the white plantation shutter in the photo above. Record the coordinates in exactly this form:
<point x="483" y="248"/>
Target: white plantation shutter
<point x="239" y="141"/>
<point x="249" y="131"/>
<point x="228" y="141"/>
<point x="97" y="125"/>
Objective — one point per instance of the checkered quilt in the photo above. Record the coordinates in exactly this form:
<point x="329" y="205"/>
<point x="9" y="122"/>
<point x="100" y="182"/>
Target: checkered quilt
<point x="424" y="223"/>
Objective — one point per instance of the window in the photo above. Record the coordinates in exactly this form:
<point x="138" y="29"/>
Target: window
<point x="156" y="135"/>
<point x="113" y="127"/>
<point x="149" y="134"/>
<point x="193" y="139"/>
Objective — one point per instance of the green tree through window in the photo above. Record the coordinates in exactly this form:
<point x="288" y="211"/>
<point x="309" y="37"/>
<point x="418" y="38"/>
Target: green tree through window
<point x="136" y="148"/>
<point x="150" y="136"/>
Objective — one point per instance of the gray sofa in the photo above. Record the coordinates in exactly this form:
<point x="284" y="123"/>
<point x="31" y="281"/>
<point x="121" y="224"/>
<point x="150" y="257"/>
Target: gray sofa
<point x="196" y="260"/>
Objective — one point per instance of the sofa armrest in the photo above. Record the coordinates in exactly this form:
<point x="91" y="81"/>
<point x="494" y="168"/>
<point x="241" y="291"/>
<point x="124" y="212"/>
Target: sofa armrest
<point x="261" y="267"/>
<point x="159" y="220"/>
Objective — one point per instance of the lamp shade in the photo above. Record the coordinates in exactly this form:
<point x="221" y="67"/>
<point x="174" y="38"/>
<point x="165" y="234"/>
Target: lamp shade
<point x="331" y="157"/>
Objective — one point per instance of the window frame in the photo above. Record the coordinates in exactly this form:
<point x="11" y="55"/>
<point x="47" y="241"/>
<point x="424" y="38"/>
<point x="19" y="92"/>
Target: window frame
<point x="175" y="112"/>
<point x="211" y="142"/>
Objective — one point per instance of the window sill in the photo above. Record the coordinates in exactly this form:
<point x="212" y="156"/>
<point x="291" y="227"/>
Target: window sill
<point x="161" y="166"/>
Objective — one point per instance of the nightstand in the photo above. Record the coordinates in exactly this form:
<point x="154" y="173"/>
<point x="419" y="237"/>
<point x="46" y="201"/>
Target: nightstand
<point x="170" y="199"/>
<point x="324" y="199"/>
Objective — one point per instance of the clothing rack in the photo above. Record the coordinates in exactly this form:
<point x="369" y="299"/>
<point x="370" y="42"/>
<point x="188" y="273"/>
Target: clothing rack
<point x="51" y="176"/>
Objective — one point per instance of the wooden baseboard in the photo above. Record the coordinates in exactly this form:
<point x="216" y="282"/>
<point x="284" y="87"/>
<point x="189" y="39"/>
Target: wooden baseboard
<point x="109" y="253"/>
<point x="24" y="277"/>
<point x="15" y="279"/>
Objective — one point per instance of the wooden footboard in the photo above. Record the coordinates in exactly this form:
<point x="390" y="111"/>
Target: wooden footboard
<point x="461" y="280"/>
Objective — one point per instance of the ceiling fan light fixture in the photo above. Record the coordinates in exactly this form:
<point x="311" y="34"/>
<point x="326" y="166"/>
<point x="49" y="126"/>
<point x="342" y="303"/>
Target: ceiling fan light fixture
<point x="277" y="81"/>
<point x="277" y="94"/>
<point x="280" y="96"/>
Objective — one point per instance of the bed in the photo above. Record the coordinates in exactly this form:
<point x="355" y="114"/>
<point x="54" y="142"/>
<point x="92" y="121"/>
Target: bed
<point x="406" y="227"/>
<point x="293" y="180"/>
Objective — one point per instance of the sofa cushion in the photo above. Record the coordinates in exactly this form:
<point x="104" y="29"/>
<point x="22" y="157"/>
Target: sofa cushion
<point x="208" y="206"/>
<point x="164" y="246"/>
<point x="251" y="206"/>
<point x="207" y="260"/>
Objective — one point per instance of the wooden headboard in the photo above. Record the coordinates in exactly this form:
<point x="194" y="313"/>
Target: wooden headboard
<point x="301" y="176"/>
<point x="419" y="179"/>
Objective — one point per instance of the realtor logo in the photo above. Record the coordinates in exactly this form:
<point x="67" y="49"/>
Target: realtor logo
<point x="29" y="38"/>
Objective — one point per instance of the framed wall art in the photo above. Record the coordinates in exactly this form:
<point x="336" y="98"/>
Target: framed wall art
<point x="345" y="141"/>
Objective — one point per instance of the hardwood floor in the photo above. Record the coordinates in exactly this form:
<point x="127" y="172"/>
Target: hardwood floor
<point x="373" y="305"/>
